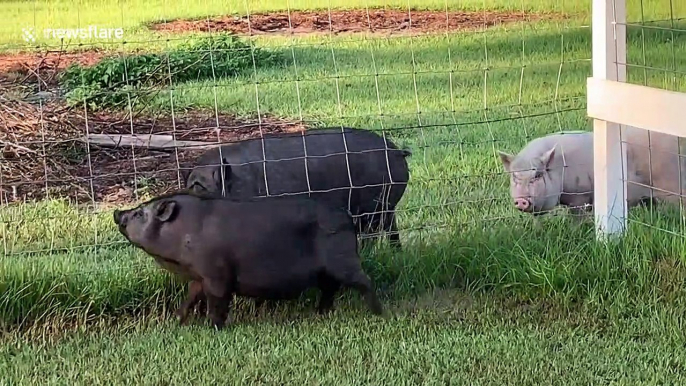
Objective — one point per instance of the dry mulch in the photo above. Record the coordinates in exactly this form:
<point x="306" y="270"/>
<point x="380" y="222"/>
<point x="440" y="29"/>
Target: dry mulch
<point x="41" y="151"/>
<point x="351" y="21"/>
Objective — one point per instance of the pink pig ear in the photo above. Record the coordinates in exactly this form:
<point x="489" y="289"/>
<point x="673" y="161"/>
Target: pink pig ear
<point x="506" y="159"/>
<point x="547" y="157"/>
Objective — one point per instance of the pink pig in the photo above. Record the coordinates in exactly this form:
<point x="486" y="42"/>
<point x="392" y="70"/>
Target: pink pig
<point x="557" y="169"/>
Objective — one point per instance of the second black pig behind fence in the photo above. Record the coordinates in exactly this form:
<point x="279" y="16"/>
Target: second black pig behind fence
<point x="355" y="169"/>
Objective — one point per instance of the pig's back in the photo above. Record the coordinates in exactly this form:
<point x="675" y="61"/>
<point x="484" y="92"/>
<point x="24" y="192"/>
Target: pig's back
<point x="570" y="141"/>
<point x="328" y="168"/>
<point x="573" y="157"/>
<point x="280" y="212"/>
<point x="571" y="148"/>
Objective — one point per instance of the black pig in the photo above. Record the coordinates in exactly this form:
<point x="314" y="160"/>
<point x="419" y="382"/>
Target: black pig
<point x="374" y="165"/>
<point x="265" y="249"/>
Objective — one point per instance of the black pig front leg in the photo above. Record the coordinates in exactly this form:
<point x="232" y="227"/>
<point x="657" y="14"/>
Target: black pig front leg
<point x="195" y="295"/>
<point x="328" y="287"/>
<point x="348" y="271"/>
<point x="219" y="299"/>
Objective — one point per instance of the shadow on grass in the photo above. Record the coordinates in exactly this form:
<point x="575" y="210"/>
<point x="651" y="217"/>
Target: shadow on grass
<point x="556" y="261"/>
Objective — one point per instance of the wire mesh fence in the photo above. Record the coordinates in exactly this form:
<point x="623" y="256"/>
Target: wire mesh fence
<point x="655" y="160"/>
<point x="107" y="104"/>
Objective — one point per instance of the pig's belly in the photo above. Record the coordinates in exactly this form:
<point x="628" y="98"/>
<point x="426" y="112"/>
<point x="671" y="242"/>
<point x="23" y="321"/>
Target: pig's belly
<point x="272" y="287"/>
<point x="177" y="269"/>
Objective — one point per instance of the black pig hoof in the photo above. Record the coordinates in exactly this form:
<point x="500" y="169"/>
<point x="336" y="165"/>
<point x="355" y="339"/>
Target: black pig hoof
<point x="218" y="326"/>
<point x="375" y="307"/>
<point x="183" y="320"/>
<point x="325" y="311"/>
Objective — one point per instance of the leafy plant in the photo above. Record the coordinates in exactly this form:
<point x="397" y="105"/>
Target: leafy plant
<point x="117" y="80"/>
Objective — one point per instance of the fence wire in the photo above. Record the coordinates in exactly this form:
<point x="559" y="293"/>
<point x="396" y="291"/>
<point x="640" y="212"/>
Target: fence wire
<point x="656" y="161"/>
<point x="455" y="85"/>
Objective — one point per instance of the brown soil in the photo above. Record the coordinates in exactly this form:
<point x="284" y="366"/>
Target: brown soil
<point x="41" y="152"/>
<point x="351" y="21"/>
<point x="34" y="62"/>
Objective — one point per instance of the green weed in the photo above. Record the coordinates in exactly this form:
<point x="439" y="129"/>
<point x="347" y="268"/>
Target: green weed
<point x="113" y="81"/>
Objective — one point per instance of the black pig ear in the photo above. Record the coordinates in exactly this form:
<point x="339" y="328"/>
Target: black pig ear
<point x="216" y="174"/>
<point x="165" y="210"/>
<point x="185" y="173"/>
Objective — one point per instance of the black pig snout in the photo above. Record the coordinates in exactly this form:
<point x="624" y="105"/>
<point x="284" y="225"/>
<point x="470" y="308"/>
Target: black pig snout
<point x="120" y="217"/>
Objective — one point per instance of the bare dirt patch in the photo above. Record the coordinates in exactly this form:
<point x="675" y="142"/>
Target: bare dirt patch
<point x="350" y="21"/>
<point x="41" y="151"/>
<point x="28" y="63"/>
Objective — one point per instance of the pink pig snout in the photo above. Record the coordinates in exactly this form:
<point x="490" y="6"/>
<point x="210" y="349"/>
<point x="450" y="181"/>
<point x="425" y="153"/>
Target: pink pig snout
<point x="522" y="204"/>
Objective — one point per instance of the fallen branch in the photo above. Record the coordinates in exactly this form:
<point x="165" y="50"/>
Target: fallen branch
<point x="148" y="141"/>
<point x="14" y="145"/>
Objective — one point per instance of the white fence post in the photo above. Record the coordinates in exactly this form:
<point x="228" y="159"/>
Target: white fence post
<point x="609" y="58"/>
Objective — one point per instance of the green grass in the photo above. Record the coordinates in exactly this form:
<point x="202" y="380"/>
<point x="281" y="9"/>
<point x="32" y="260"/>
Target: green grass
<point x="519" y="301"/>
<point x="133" y="14"/>
<point x="438" y="339"/>
<point x="557" y="260"/>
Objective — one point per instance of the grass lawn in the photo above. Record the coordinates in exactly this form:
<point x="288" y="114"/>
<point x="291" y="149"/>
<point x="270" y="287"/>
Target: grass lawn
<point x="132" y="13"/>
<point x="518" y="301"/>
<point x="450" y="339"/>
